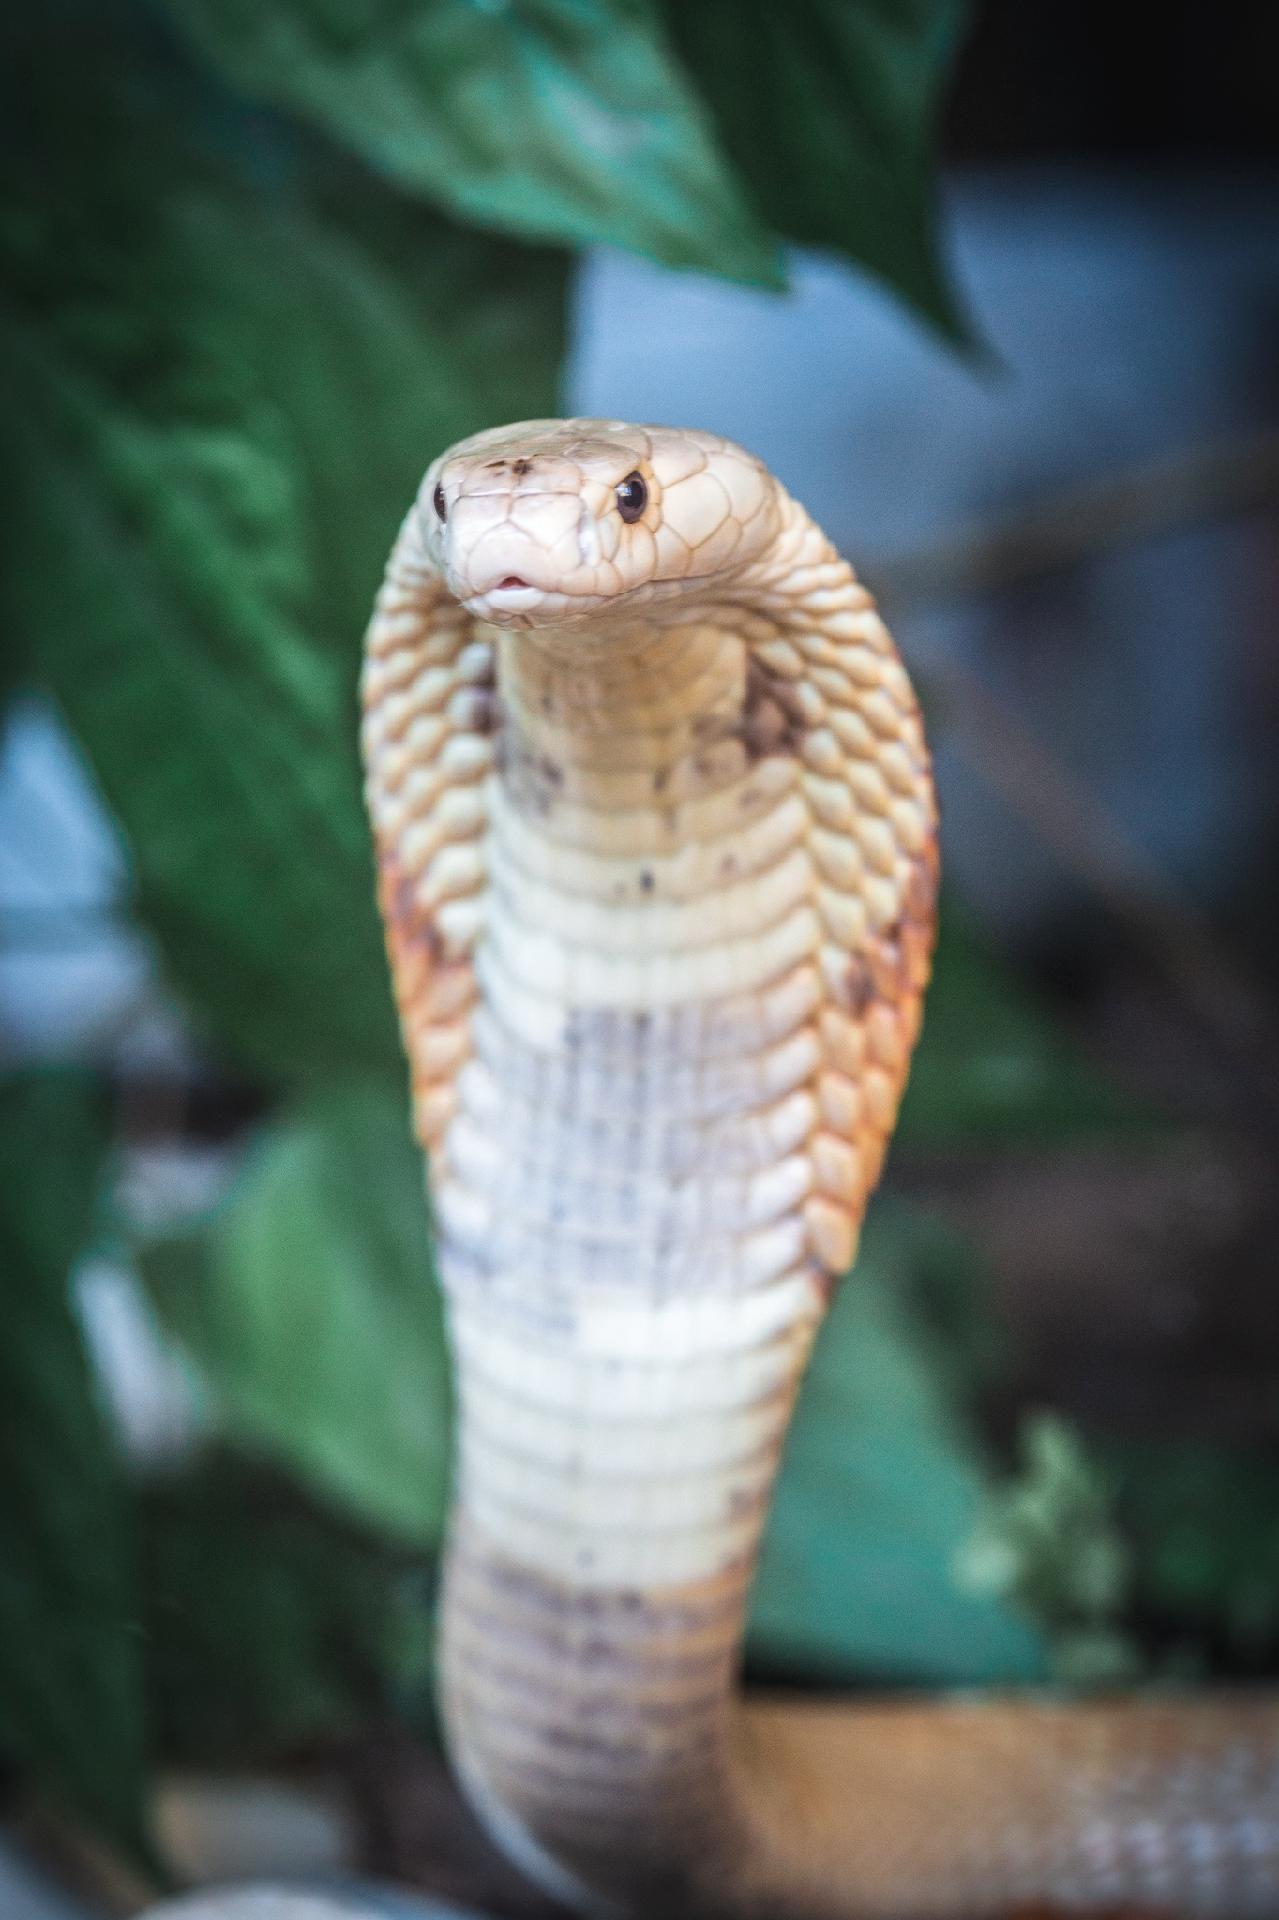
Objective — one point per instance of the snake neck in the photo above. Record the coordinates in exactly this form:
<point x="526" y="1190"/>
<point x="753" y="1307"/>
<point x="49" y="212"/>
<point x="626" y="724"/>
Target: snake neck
<point x="626" y="1199"/>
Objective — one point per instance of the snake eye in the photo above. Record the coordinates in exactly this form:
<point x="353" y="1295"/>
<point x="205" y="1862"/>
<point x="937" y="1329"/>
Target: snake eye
<point x="632" y="497"/>
<point x="439" y="503"/>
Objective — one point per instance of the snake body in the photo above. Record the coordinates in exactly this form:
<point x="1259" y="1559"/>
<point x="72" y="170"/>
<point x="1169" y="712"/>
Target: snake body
<point x="657" y="858"/>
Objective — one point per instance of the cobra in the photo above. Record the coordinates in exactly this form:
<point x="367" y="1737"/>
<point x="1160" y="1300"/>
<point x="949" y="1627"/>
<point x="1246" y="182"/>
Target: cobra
<point x="657" y="848"/>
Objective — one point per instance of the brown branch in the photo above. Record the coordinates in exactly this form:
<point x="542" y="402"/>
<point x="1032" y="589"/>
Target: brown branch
<point x="1217" y="480"/>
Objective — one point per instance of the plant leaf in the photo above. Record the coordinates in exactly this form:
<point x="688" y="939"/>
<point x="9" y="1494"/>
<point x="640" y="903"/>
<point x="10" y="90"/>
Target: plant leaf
<point x="70" y="1686"/>
<point x="308" y="1305"/>
<point x="827" y="108"/>
<point x="562" y="120"/>
<point x="882" y="1484"/>
<point x="222" y="394"/>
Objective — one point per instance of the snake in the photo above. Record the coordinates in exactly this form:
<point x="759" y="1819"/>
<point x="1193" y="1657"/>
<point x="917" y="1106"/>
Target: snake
<point x="657" y="858"/>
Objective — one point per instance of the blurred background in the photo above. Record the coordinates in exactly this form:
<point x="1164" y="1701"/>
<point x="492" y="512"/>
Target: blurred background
<point x="995" y="290"/>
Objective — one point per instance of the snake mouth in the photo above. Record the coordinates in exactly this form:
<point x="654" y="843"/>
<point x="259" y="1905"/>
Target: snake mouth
<point x="517" y="601"/>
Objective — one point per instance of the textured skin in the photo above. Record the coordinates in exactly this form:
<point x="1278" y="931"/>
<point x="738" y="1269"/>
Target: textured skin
<point x="657" y="852"/>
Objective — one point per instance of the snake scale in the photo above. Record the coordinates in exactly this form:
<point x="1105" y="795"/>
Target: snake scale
<point x="657" y="851"/>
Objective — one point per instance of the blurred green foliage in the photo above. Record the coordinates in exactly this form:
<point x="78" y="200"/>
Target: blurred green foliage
<point x="226" y="355"/>
<point x="827" y="109"/>
<point x="260" y="264"/>
<point x="270" y="1626"/>
<point x="1202" y="1521"/>
<point x="307" y="1302"/>
<point x="991" y="1068"/>
<point x="883" y="1484"/>
<point x="1048" y="1542"/>
<point x="70" y="1659"/>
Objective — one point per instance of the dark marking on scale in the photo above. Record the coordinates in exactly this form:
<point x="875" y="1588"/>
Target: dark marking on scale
<point x="858" y="985"/>
<point x="772" y="718"/>
<point x="534" y="780"/>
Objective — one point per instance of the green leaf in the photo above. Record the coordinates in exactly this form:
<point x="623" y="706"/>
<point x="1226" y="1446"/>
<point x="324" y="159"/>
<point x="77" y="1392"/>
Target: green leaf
<point x="562" y="120"/>
<point x="992" y="1066"/>
<point x="268" y="1625"/>
<point x="220" y="394"/>
<point x="70" y="1688"/>
<point x="828" y="110"/>
<point x="308" y="1305"/>
<point x="882" y="1484"/>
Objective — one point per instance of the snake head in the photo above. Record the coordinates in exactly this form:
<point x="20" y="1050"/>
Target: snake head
<point x="551" y="521"/>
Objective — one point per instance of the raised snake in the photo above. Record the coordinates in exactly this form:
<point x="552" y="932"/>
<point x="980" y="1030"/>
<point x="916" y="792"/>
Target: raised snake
<point x="657" y="851"/>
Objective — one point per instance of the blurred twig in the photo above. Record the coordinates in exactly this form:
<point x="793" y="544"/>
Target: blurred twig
<point x="1218" y="479"/>
<point x="1088" y="841"/>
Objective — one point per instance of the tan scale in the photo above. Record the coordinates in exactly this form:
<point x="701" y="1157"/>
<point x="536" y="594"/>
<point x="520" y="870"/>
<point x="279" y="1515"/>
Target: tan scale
<point x="657" y="851"/>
